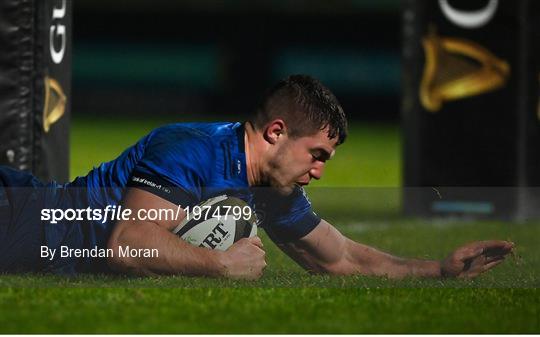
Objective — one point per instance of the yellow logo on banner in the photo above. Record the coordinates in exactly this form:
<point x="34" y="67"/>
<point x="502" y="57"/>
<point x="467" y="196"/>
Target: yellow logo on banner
<point x="55" y="103"/>
<point x="457" y="68"/>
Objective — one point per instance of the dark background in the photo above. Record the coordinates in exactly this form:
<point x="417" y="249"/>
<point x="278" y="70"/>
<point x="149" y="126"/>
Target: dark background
<point x="217" y="57"/>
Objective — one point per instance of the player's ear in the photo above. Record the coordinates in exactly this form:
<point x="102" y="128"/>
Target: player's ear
<point x="274" y="130"/>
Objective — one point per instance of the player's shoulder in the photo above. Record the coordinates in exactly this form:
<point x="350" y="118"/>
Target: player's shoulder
<point x="194" y="146"/>
<point x="205" y="135"/>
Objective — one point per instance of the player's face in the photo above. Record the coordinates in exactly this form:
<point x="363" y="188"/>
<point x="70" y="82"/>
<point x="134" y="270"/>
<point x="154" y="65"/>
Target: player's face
<point x="298" y="160"/>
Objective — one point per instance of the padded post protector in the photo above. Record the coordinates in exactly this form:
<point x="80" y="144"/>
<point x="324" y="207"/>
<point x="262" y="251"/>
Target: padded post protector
<point x="35" y="86"/>
<point x="470" y="108"/>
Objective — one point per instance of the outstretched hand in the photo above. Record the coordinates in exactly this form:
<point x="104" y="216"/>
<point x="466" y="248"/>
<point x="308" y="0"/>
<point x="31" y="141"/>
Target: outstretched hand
<point x="475" y="258"/>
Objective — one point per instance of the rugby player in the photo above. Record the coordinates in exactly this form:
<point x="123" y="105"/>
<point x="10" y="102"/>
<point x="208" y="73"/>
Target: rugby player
<point x="285" y="145"/>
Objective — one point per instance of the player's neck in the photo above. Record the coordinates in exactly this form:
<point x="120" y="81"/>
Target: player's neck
<point x="252" y="162"/>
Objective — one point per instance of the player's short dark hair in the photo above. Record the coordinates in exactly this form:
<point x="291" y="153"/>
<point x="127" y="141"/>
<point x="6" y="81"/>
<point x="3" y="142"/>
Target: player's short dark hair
<point x="305" y="105"/>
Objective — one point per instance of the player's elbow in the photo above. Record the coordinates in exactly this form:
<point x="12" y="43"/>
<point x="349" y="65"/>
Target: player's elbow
<point x="122" y="263"/>
<point x="116" y="261"/>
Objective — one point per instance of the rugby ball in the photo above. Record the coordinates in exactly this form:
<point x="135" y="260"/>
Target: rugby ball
<point x="217" y="223"/>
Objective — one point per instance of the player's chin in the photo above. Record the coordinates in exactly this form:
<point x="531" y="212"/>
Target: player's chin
<point x="285" y="189"/>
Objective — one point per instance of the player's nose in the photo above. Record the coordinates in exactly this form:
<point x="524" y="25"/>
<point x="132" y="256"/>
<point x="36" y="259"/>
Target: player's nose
<point x="317" y="170"/>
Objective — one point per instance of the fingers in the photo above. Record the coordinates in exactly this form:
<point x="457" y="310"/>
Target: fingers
<point x="246" y="259"/>
<point x="467" y="253"/>
<point x="492" y="264"/>
<point x="481" y="265"/>
<point x="490" y="259"/>
<point x="481" y="261"/>
<point x="496" y="245"/>
<point x="484" y="268"/>
<point x="256" y="241"/>
<point x="260" y="263"/>
<point x="498" y="250"/>
<point x="486" y="248"/>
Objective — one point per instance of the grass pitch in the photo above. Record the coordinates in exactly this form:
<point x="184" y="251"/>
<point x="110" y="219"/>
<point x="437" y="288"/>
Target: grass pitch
<point x="365" y="174"/>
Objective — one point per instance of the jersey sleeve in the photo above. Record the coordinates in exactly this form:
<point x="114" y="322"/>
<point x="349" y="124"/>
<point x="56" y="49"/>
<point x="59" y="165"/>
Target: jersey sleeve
<point x="174" y="165"/>
<point x="286" y="218"/>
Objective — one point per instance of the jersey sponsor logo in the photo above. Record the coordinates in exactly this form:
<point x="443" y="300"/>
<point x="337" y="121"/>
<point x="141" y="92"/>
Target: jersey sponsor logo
<point x="151" y="184"/>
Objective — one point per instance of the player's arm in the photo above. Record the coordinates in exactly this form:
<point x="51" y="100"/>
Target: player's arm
<point x="326" y="250"/>
<point x="245" y="259"/>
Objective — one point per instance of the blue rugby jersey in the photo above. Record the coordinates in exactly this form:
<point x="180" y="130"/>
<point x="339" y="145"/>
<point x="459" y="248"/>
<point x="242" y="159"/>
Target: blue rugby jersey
<point x="185" y="163"/>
